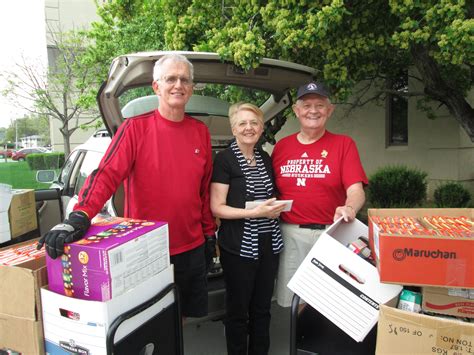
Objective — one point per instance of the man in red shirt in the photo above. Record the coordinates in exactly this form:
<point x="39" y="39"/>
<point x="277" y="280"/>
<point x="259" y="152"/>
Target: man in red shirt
<point x="164" y="160"/>
<point x="322" y="173"/>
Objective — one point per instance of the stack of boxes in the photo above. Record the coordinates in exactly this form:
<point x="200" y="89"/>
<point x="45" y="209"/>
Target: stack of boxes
<point x="431" y="250"/>
<point x="119" y="264"/>
<point x="22" y="273"/>
<point x="353" y="294"/>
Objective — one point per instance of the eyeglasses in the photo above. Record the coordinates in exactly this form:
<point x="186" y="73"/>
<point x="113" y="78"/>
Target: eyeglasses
<point x="173" y="79"/>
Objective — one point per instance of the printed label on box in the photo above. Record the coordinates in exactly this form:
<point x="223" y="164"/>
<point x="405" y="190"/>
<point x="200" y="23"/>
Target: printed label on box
<point x="114" y="256"/>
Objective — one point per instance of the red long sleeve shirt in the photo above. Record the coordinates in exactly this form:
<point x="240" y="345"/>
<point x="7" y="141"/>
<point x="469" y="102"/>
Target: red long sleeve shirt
<point x="166" y="167"/>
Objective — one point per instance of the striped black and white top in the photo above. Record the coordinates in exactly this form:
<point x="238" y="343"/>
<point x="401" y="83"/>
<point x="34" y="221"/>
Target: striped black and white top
<point x="259" y="185"/>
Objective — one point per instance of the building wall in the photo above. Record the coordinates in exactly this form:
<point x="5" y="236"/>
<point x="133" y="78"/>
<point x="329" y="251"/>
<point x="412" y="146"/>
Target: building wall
<point x="67" y="15"/>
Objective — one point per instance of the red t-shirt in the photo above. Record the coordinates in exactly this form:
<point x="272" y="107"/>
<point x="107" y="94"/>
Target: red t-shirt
<point x="316" y="176"/>
<point x="166" y="167"/>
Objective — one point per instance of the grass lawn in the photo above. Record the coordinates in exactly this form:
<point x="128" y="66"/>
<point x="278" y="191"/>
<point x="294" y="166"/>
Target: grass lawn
<point x="19" y="175"/>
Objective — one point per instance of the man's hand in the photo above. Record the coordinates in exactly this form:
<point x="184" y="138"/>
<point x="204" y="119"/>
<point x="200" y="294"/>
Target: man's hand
<point x="346" y="211"/>
<point x="209" y="249"/>
<point x="73" y="228"/>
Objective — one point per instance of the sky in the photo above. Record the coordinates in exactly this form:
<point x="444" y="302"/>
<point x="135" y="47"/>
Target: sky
<point x="22" y="33"/>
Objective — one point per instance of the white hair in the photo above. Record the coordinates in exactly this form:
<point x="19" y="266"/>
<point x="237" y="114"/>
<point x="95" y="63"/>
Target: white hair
<point x="175" y="58"/>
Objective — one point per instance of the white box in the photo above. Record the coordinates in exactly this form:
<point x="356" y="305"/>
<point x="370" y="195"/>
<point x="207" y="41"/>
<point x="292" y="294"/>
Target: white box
<point x="72" y="324"/>
<point x="5" y="235"/>
<point x="4" y="218"/>
<point x="351" y="305"/>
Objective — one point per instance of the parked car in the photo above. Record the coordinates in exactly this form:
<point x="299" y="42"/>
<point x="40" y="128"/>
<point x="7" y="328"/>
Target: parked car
<point x="20" y="155"/>
<point x="269" y="86"/>
<point x="6" y="153"/>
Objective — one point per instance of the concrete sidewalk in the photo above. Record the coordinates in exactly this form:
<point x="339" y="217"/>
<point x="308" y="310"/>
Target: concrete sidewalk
<point x="207" y="338"/>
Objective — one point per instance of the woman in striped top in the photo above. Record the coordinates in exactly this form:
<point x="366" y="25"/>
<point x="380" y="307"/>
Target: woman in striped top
<point x="249" y="239"/>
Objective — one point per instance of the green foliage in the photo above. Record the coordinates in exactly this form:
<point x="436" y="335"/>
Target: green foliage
<point x="45" y="161"/>
<point x="28" y="126"/>
<point x="451" y="195"/>
<point x="53" y="160"/>
<point x="397" y="187"/>
<point x="35" y="161"/>
<point x="125" y="27"/>
<point x="347" y="42"/>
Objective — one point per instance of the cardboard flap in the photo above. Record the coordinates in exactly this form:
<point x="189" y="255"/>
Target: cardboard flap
<point x="21" y="335"/>
<point x="19" y="294"/>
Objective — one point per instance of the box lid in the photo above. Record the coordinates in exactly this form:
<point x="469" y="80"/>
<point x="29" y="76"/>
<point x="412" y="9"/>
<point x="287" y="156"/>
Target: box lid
<point x="322" y="280"/>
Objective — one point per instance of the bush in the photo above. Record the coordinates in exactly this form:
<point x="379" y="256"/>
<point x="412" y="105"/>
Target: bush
<point x="53" y="160"/>
<point x="35" y="161"/>
<point x="397" y="187"/>
<point x="45" y="161"/>
<point x="451" y="195"/>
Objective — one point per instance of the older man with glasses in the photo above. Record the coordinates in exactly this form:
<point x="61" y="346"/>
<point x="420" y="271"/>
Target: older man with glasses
<point x="164" y="159"/>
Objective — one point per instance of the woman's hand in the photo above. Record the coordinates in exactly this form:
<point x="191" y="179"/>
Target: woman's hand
<point x="268" y="209"/>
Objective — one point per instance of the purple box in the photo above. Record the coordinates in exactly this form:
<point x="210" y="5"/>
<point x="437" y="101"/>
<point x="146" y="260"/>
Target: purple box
<point x="115" y="255"/>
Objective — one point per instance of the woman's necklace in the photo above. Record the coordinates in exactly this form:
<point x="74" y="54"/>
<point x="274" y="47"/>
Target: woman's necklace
<point x="250" y="160"/>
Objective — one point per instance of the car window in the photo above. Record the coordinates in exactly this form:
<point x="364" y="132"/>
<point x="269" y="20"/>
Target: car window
<point x="89" y="163"/>
<point x="64" y="176"/>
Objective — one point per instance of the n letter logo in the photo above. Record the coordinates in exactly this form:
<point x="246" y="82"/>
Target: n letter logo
<point x="300" y="181"/>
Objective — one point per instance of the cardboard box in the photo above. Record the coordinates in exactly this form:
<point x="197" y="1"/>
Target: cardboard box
<point x="20" y="305"/>
<point x="401" y="332"/>
<point x="80" y="326"/>
<point x="21" y="335"/>
<point x="448" y="301"/>
<point x="405" y="259"/>
<point x="352" y="305"/>
<point x="115" y="255"/>
<point x="22" y="212"/>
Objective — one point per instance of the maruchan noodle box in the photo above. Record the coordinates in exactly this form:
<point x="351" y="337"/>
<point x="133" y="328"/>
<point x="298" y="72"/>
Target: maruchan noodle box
<point x="423" y="247"/>
<point x="115" y="255"/>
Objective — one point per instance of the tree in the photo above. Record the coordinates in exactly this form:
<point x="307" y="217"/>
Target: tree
<point x="65" y="91"/>
<point x="357" y="47"/>
<point x="125" y="27"/>
<point x="28" y="126"/>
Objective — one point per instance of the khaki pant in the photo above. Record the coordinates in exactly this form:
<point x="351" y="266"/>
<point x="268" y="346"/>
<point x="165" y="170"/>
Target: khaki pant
<point x="298" y="242"/>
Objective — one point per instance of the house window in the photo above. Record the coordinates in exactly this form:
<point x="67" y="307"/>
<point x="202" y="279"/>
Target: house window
<point x="397" y="112"/>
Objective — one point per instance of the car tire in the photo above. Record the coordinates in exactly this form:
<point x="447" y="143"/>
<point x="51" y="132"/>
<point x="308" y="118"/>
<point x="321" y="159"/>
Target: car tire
<point x="21" y="159"/>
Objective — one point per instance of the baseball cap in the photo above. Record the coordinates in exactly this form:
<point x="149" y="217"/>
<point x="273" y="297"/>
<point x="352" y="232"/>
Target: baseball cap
<point x="312" y="88"/>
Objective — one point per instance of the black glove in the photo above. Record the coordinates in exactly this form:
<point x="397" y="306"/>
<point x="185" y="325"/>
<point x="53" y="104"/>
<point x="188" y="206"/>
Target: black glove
<point x="209" y="250"/>
<point x="72" y="229"/>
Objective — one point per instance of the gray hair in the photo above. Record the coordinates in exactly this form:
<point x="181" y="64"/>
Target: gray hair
<point x="244" y="106"/>
<point x="175" y="58"/>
